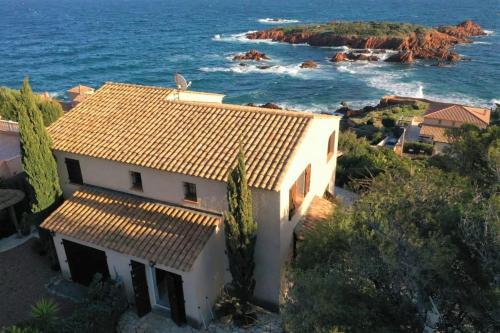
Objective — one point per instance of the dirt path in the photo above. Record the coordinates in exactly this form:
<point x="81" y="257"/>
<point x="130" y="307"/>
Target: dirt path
<point x="23" y="276"/>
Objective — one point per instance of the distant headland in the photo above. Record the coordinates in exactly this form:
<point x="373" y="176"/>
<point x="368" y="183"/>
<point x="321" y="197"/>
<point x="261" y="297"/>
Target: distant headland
<point x="408" y="41"/>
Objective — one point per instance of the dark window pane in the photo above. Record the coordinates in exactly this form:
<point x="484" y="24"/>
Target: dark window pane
<point x="136" y="180"/>
<point x="74" y="171"/>
<point x="190" y="192"/>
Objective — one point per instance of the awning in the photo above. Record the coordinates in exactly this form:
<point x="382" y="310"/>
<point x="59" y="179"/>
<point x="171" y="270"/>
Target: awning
<point x="135" y="226"/>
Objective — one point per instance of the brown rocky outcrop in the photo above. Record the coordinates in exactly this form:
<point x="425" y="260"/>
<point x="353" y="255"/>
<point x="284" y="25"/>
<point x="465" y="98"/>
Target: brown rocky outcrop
<point x="267" y="106"/>
<point x="343" y="56"/>
<point x="251" y="55"/>
<point x="463" y="30"/>
<point x="309" y="64"/>
<point x="339" y="57"/>
<point x="422" y="44"/>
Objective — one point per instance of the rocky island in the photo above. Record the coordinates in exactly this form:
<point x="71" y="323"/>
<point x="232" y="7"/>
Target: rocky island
<point x="409" y="41"/>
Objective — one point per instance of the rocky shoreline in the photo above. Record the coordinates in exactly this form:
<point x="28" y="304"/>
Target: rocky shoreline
<point x="421" y="43"/>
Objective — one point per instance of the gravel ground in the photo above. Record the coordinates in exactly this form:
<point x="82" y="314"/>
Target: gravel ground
<point x="23" y="277"/>
<point x="158" y="323"/>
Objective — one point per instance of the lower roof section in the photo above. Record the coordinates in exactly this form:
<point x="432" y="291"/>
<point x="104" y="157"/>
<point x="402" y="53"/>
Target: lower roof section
<point x="135" y="226"/>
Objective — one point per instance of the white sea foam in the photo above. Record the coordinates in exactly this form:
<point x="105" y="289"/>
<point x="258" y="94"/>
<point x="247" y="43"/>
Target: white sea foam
<point x="489" y="32"/>
<point x="290" y="70"/>
<point x="214" y="69"/>
<point x="268" y="20"/>
<point x="483" y="43"/>
<point x="241" y="38"/>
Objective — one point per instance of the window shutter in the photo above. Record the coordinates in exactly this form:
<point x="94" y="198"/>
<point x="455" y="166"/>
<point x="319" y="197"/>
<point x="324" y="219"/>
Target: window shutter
<point x="307" y="179"/>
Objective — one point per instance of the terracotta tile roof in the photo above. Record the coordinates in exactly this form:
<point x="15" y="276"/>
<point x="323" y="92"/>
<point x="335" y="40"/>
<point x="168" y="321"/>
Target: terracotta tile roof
<point x="134" y="226"/>
<point x="459" y="113"/>
<point x="319" y="210"/>
<point x="79" y="89"/>
<point x="139" y="125"/>
<point x="436" y="133"/>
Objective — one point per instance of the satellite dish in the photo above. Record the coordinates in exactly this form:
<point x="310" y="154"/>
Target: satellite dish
<point x="181" y="82"/>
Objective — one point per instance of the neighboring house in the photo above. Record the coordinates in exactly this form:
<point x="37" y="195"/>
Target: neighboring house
<point x="10" y="149"/>
<point x="144" y="171"/>
<point x="78" y="93"/>
<point x="442" y="116"/>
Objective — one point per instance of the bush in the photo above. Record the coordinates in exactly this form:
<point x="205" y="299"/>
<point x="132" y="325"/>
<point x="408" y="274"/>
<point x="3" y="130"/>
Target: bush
<point x="231" y="310"/>
<point x="44" y="313"/>
<point x="388" y="122"/>
<point x="101" y="309"/>
<point x="416" y="147"/>
<point x="10" y="98"/>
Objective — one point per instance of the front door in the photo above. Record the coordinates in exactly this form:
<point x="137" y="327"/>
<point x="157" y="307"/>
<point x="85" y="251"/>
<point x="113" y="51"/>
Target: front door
<point x="170" y="294"/>
<point x="140" y="284"/>
<point x="84" y="262"/>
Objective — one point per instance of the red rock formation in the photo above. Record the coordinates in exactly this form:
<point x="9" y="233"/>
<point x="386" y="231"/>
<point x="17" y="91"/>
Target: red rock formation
<point x="463" y="30"/>
<point x="343" y="56"/>
<point x="251" y="55"/>
<point x="309" y="64"/>
<point x="339" y="57"/>
<point x="429" y="44"/>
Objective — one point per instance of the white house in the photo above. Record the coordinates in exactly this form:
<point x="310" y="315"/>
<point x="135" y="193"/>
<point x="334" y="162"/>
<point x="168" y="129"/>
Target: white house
<point x="144" y="171"/>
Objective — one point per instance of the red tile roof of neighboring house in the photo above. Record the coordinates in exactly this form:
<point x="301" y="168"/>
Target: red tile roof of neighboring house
<point x="134" y="226"/>
<point x="80" y="89"/>
<point x="435" y="132"/>
<point x="459" y="113"/>
<point x="319" y="210"/>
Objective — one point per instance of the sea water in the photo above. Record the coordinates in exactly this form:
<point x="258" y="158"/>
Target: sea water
<point x="61" y="43"/>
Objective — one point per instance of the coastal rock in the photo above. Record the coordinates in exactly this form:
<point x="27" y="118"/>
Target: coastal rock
<point x="404" y="57"/>
<point x="251" y="55"/>
<point x="343" y="56"/>
<point x="309" y="64"/>
<point x="267" y="106"/>
<point x="463" y="30"/>
<point x="339" y="57"/>
<point x="422" y="43"/>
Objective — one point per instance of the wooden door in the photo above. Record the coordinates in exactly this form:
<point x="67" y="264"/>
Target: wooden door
<point x="84" y="262"/>
<point x="141" y="291"/>
<point x="176" y="298"/>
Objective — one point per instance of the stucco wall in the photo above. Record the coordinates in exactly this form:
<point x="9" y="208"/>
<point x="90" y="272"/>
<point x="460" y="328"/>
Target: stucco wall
<point x="201" y="285"/>
<point x="313" y="149"/>
<point x="274" y="233"/>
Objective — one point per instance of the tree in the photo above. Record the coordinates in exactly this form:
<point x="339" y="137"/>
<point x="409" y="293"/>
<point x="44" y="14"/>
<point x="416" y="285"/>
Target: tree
<point x="361" y="162"/>
<point x="240" y="230"/>
<point x="9" y="99"/>
<point x="37" y="159"/>
<point x="473" y="153"/>
<point x="416" y="254"/>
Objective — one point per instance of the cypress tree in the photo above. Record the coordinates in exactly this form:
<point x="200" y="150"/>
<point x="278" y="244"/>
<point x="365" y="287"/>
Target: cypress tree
<point x="240" y="230"/>
<point x="38" y="161"/>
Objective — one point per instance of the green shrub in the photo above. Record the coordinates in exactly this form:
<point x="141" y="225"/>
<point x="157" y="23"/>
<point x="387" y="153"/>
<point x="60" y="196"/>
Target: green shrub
<point x="388" y="122"/>
<point x="416" y="147"/>
<point x="18" y="329"/>
<point x="100" y="311"/>
<point x="44" y="313"/>
<point x="10" y="99"/>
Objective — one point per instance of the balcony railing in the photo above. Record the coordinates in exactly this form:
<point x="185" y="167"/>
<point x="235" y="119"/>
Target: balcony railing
<point x="9" y="126"/>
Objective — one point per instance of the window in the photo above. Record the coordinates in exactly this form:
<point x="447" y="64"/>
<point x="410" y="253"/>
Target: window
<point x="298" y="192"/>
<point x="331" y="146"/>
<point x="74" y="171"/>
<point x="190" y="192"/>
<point x="136" y="180"/>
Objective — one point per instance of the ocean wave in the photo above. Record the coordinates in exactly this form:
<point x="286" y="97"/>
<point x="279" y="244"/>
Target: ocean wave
<point x="240" y="38"/>
<point x="489" y="32"/>
<point x="482" y="43"/>
<point x="290" y="70"/>
<point x="268" y="20"/>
